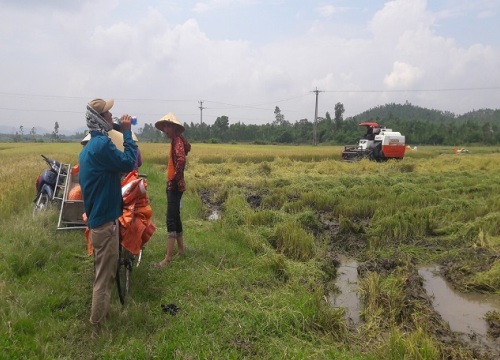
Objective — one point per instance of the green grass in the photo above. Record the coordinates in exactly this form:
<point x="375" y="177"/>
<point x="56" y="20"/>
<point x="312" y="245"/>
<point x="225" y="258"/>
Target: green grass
<point x="253" y="284"/>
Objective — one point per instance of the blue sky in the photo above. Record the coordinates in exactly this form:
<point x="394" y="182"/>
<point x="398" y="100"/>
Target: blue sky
<point x="243" y="58"/>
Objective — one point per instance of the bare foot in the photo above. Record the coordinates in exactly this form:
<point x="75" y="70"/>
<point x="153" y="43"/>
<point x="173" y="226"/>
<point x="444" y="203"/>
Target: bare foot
<point x="162" y="263"/>
<point x="96" y="331"/>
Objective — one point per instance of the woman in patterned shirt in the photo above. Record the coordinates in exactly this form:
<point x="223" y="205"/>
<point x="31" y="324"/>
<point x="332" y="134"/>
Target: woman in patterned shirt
<point x="179" y="148"/>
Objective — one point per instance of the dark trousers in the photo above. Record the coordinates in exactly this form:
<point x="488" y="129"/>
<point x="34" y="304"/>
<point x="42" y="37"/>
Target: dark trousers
<point x="174" y="223"/>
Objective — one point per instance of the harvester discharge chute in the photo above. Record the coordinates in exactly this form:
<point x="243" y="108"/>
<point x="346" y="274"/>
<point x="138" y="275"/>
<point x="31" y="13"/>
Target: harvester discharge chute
<point x="378" y="144"/>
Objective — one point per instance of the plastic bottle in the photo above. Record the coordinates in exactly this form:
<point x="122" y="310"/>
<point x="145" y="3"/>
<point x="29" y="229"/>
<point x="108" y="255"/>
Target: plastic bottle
<point x="134" y="120"/>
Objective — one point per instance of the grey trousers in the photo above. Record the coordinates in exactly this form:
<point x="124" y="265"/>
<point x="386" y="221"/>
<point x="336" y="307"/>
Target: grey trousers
<point x="105" y="241"/>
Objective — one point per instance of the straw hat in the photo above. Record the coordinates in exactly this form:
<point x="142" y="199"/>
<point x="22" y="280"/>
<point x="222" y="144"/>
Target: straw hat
<point x="100" y="105"/>
<point x="169" y="118"/>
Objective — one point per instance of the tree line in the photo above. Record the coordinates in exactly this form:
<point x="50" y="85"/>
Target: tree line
<point x="420" y="126"/>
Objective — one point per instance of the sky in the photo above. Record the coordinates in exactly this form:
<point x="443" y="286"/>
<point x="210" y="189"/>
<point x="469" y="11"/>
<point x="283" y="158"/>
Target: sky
<point x="242" y="58"/>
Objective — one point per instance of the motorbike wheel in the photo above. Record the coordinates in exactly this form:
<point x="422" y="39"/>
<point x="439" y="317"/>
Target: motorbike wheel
<point x="42" y="203"/>
<point x="125" y="266"/>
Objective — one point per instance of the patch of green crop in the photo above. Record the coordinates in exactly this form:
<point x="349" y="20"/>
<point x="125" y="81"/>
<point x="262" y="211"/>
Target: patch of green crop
<point x="255" y="282"/>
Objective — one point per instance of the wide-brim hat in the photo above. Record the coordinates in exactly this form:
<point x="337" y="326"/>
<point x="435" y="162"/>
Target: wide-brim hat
<point x="169" y="118"/>
<point x="115" y="136"/>
<point x="101" y="106"/>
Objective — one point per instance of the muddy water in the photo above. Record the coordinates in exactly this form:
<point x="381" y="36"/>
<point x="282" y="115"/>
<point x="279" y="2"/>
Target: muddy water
<point x="347" y="298"/>
<point x="463" y="312"/>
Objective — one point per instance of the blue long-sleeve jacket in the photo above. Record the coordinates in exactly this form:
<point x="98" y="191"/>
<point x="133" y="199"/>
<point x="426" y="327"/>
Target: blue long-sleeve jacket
<point x="101" y="165"/>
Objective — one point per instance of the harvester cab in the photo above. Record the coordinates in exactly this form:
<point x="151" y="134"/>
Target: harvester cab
<point x="378" y="144"/>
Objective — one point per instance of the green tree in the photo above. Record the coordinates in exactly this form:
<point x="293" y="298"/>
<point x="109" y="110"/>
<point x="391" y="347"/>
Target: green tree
<point x="303" y="130"/>
<point x="220" y="127"/>
<point x="325" y="128"/>
<point x="33" y="133"/>
<point x="339" y="115"/>
<point x="285" y="137"/>
<point x="488" y="133"/>
<point x="278" y="116"/>
<point x="55" y="133"/>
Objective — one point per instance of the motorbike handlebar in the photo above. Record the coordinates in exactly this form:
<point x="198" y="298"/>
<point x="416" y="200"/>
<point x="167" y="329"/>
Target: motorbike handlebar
<point x="53" y="164"/>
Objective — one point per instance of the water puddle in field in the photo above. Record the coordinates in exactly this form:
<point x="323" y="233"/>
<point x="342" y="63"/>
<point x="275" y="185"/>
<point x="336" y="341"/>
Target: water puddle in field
<point x="347" y="297"/>
<point x="463" y="312"/>
<point x="212" y="206"/>
<point x="214" y="215"/>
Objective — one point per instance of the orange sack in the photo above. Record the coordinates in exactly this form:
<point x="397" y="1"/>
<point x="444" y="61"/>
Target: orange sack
<point x="75" y="193"/>
<point x="136" y="227"/>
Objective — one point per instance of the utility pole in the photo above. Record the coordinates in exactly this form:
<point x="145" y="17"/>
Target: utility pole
<point x="201" y="111"/>
<point x="315" y="139"/>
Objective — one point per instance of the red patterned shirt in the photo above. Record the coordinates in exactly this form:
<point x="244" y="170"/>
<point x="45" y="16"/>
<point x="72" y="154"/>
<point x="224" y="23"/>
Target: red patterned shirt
<point x="179" y="148"/>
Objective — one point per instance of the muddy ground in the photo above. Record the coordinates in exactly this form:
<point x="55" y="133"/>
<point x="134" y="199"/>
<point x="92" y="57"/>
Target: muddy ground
<point x="353" y="244"/>
<point x="480" y="347"/>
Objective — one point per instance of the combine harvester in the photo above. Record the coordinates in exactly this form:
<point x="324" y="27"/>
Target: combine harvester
<point x="379" y="144"/>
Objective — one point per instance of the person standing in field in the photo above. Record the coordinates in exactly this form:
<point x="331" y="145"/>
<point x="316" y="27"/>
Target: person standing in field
<point x="179" y="148"/>
<point x="115" y="139"/>
<point x="101" y="165"/>
<point x="118" y="141"/>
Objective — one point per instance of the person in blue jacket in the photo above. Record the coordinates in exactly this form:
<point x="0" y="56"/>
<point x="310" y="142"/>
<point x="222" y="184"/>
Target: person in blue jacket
<point x="101" y="165"/>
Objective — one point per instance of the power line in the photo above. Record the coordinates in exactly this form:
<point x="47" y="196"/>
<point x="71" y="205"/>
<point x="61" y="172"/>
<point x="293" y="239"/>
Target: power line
<point x="86" y="98"/>
<point x="44" y="110"/>
<point x="234" y="106"/>
<point x="271" y="102"/>
<point x="415" y="90"/>
<point x="228" y="106"/>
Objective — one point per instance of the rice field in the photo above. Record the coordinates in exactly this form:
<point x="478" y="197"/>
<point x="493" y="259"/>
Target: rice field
<point x="253" y="282"/>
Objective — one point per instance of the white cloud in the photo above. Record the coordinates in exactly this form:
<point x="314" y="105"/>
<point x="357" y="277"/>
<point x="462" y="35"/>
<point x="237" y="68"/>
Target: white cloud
<point x="326" y="10"/>
<point x="212" y="5"/>
<point x="399" y="16"/>
<point x="152" y="64"/>
<point x="202" y="7"/>
<point x="403" y="76"/>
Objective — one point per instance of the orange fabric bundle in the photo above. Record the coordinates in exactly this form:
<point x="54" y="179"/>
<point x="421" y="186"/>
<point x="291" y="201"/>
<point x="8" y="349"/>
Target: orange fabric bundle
<point x="131" y="237"/>
<point x="75" y="193"/>
<point x="133" y="191"/>
<point x="75" y="169"/>
<point x="90" y="249"/>
<point x="130" y="176"/>
<point x="136" y="226"/>
<point x="144" y="211"/>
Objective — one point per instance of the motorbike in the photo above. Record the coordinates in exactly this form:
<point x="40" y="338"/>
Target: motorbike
<point x="46" y="185"/>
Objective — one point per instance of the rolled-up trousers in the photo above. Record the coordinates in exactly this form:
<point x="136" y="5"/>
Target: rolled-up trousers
<point x="173" y="218"/>
<point x="105" y="241"/>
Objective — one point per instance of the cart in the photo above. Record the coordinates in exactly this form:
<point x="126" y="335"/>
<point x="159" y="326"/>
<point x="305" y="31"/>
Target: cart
<point x="71" y="211"/>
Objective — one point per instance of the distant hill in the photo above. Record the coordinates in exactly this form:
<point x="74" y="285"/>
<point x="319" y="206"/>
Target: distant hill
<point x="408" y="112"/>
<point x="483" y="115"/>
